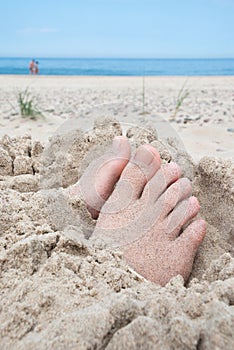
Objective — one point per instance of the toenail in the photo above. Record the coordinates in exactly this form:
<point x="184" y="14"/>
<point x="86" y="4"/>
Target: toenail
<point x="143" y="155"/>
<point x="116" y="144"/>
<point x="194" y="202"/>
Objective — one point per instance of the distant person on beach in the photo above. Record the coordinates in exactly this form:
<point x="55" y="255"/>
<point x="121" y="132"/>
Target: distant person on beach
<point x="36" y="68"/>
<point x="32" y="67"/>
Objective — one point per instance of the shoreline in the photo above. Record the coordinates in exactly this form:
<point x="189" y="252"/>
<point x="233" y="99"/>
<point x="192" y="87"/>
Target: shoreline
<point x="116" y="76"/>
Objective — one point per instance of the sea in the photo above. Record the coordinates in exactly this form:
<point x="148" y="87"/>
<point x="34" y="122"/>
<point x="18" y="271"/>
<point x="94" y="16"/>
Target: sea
<point x="120" y="66"/>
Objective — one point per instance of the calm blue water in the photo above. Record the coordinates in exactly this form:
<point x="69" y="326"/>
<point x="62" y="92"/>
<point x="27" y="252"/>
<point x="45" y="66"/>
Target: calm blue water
<point x="122" y="67"/>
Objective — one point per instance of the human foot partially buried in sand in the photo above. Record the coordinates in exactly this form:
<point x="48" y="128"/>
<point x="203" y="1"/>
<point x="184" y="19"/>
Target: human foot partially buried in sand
<point x="144" y="208"/>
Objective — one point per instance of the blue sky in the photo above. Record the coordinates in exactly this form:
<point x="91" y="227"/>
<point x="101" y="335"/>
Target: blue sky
<point x="117" y="28"/>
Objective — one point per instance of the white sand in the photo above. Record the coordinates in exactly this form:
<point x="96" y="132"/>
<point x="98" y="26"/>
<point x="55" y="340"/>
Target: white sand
<point x="61" y="291"/>
<point x="202" y="121"/>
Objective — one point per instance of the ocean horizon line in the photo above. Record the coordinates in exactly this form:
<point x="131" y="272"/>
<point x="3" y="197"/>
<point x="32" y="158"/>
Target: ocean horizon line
<point x="116" y="58"/>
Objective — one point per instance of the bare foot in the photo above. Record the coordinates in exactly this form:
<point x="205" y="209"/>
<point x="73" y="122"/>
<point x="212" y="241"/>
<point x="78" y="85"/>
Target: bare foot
<point x="99" y="179"/>
<point x="146" y="215"/>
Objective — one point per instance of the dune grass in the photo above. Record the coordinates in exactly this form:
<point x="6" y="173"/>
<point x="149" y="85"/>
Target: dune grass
<point x="183" y="94"/>
<point x="27" y="105"/>
<point x="143" y="111"/>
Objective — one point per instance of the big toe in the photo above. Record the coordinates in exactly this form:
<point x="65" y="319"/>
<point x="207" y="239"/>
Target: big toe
<point x="99" y="179"/>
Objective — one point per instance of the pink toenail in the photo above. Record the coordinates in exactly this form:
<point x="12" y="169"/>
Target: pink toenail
<point x="116" y="144"/>
<point x="143" y="155"/>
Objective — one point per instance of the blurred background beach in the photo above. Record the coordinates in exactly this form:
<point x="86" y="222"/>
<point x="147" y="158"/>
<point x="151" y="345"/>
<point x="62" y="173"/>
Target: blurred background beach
<point x="171" y="60"/>
<point x="203" y="120"/>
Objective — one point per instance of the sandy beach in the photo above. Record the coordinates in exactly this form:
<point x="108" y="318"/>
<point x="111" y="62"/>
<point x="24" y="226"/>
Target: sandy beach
<point x="202" y="122"/>
<point x="59" y="290"/>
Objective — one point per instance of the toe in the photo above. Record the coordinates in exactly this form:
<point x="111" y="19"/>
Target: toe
<point x="193" y="236"/>
<point x="110" y="169"/>
<point x="178" y="191"/>
<point x="180" y="216"/>
<point x="142" y="167"/>
<point x="99" y="179"/>
<point x="163" y="178"/>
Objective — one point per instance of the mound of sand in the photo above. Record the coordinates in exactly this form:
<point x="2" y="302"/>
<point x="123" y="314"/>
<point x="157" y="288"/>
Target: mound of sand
<point x="60" y="291"/>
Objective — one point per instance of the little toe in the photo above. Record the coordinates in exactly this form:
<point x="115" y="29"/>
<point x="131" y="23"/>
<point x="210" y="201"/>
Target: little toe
<point x="180" y="216"/>
<point x="192" y="237"/>
<point x="186" y="246"/>
<point x="178" y="191"/>
<point x="140" y="169"/>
